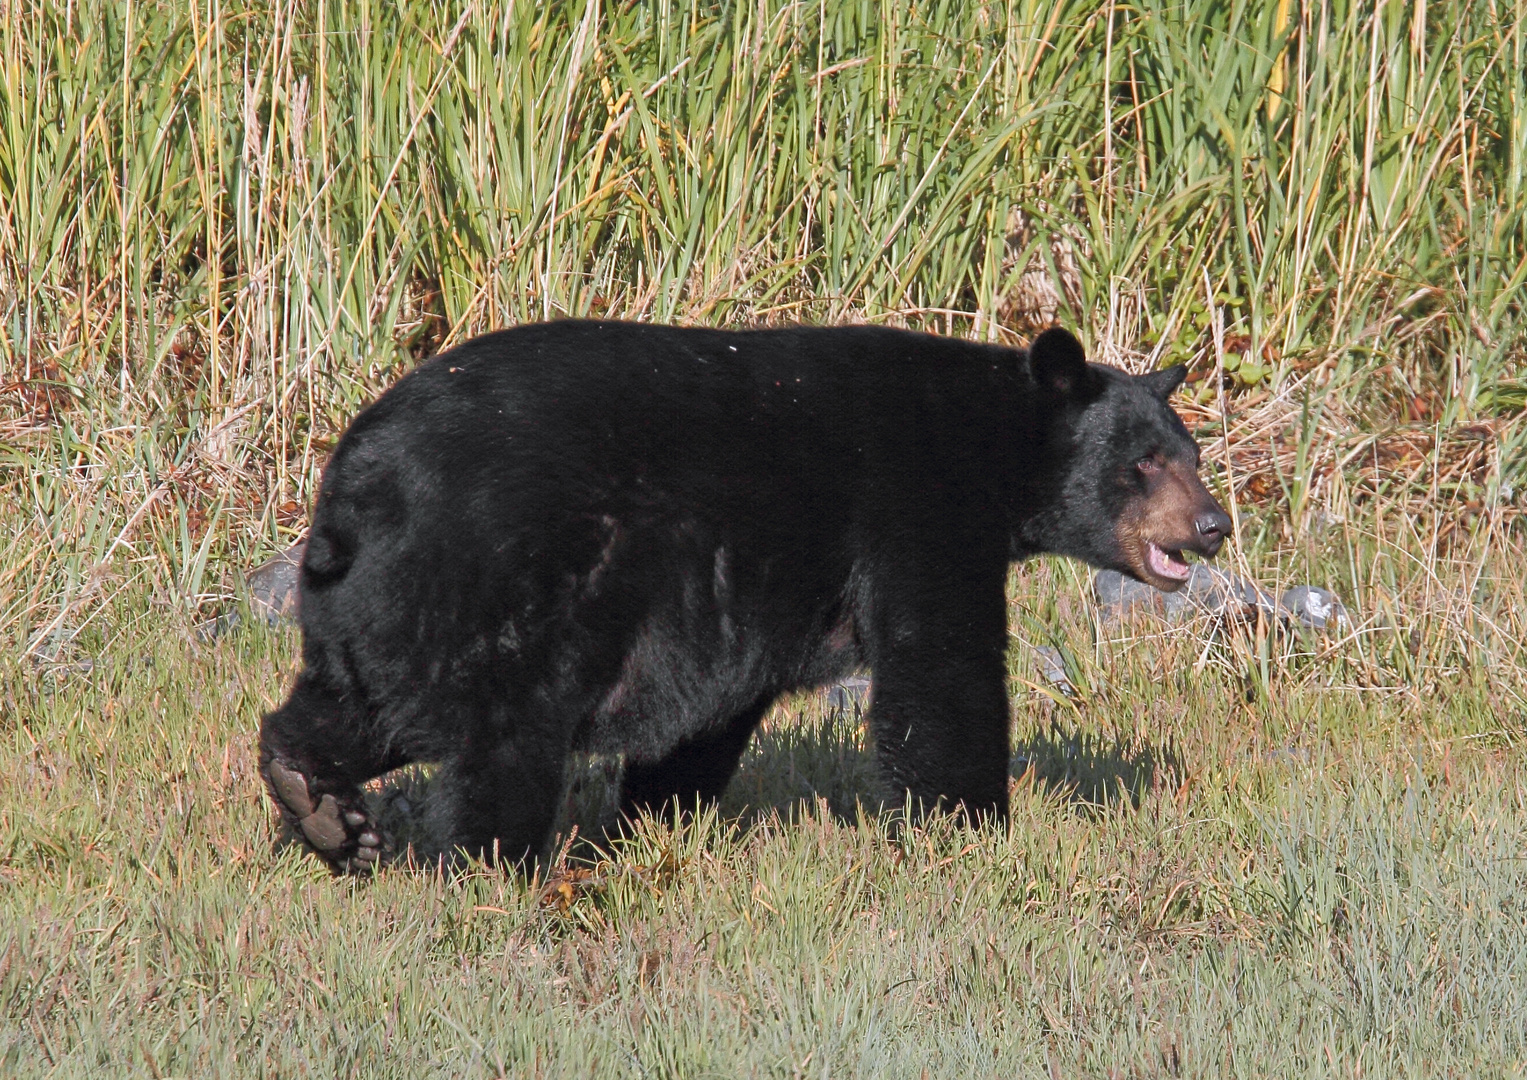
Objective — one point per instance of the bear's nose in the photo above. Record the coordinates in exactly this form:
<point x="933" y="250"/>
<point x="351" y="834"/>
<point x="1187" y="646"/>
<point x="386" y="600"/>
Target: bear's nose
<point x="1213" y="526"/>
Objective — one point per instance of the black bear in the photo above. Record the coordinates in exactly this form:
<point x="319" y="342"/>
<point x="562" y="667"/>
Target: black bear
<point x="631" y="539"/>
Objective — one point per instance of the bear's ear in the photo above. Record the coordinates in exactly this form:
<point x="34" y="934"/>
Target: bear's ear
<point x="1162" y="383"/>
<point x="1058" y="363"/>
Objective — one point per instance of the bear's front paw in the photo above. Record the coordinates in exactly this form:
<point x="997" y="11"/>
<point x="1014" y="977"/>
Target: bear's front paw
<point x="339" y="830"/>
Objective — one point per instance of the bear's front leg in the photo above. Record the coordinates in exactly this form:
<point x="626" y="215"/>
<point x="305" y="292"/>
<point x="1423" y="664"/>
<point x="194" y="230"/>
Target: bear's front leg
<point x="939" y="711"/>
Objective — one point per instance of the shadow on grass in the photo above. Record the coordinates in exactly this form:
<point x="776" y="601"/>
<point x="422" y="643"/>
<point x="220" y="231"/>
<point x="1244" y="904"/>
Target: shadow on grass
<point x="818" y="756"/>
<point x="802" y="758"/>
<point x="796" y="760"/>
<point x="1094" y="771"/>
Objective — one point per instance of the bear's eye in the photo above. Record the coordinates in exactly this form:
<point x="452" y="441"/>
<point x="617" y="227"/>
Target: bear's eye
<point x="1148" y="464"/>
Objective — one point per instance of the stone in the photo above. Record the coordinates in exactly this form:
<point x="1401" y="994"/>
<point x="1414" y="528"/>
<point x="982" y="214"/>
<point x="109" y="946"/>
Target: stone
<point x="272" y="586"/>
<point x="1118" y="595"/>
<point x="271" y="589"/>
<point x="1312" y="606"/>
<point x="1321" y="521"/>
<point x="1288" y="755"/>
<point x="1212" y="591"/>
<point x="1052" y="665"/>
<point x="1208" y="591"/>
<point x="850" y="695"/>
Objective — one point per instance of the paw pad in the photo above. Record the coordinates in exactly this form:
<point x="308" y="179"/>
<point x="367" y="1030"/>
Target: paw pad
<point x="342" y="834"/>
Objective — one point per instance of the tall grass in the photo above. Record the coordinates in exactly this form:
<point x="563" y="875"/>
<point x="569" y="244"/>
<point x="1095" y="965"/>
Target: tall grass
<point x="224" y="226"/>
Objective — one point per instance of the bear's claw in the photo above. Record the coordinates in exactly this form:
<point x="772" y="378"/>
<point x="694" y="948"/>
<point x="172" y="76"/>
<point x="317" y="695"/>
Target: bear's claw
<point x="344" y="835"/>
<point x="291" y="789"/>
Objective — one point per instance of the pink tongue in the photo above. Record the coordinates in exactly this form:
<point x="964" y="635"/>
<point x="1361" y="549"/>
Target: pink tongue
<point x="1165" y="563"/>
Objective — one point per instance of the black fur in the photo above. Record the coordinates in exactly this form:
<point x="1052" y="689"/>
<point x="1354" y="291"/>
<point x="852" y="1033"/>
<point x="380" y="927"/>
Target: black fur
<point x="621" y="538"/>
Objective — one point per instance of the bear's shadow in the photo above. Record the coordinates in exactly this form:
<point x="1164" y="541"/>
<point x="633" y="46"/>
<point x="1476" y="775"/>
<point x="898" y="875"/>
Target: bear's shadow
<point x="1093" y="771"/>
<point x="804" y="757"/>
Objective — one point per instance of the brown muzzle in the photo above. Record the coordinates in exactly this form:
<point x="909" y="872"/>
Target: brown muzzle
<point x="1175" y="514"/>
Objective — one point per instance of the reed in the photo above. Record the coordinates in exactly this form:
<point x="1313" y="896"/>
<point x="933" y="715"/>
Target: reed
<point x="224" y="226"/>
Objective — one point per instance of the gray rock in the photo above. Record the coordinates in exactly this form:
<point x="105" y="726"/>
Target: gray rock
<point x="1288" y="755"/>
<point x="273" y="586"/>
<point x="1314" y="607"/>
<point x="1052" y="665"/>
<point x="850" y="695"/>
<point x="1321" y="521"/>
<point x="209" y="631"/>
<point x="1211" y="591"/>
<point x="271" y="589"/>
<point x="54" y="648"/>
<point x="1208" y="591"/>
<point x="1118" y="595"/>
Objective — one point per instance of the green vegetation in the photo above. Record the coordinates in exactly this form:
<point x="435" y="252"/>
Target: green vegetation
<point x="225" y="226"/>
<point x="1196" y="881"/>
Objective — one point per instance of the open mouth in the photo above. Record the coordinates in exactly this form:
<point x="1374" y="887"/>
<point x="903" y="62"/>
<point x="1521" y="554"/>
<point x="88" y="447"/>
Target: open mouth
<point x="1167" y="564"/>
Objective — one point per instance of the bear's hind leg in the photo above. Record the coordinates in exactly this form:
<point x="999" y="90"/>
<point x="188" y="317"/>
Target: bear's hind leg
<point x="694" y="772"/>
<point x="500" y="797"/>
<point x="314" y="755"/>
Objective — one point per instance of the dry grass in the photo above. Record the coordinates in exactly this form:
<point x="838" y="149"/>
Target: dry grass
<point x="225" y="227"/>
<point x="1208" y="872"/>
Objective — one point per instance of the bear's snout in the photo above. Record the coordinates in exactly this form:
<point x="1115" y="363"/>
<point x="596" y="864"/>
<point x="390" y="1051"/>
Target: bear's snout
<point x="1213" y="526"/>
<point x="1173" y="515"/>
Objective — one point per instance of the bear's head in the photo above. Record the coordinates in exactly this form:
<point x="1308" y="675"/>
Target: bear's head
<point x="1129" y="496"/>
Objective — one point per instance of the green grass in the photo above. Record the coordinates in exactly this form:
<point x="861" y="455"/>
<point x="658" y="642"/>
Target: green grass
<point x="1198" y="880"/>
<point x="225" y="226"/>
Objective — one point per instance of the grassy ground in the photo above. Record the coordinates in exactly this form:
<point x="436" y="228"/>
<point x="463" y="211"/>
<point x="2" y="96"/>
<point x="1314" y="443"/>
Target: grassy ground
<point x="1206" y="874"/>
<point x="225" y="225"/>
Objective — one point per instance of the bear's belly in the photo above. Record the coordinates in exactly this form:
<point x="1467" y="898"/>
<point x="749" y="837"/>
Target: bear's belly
<point x="669" y="690"/>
